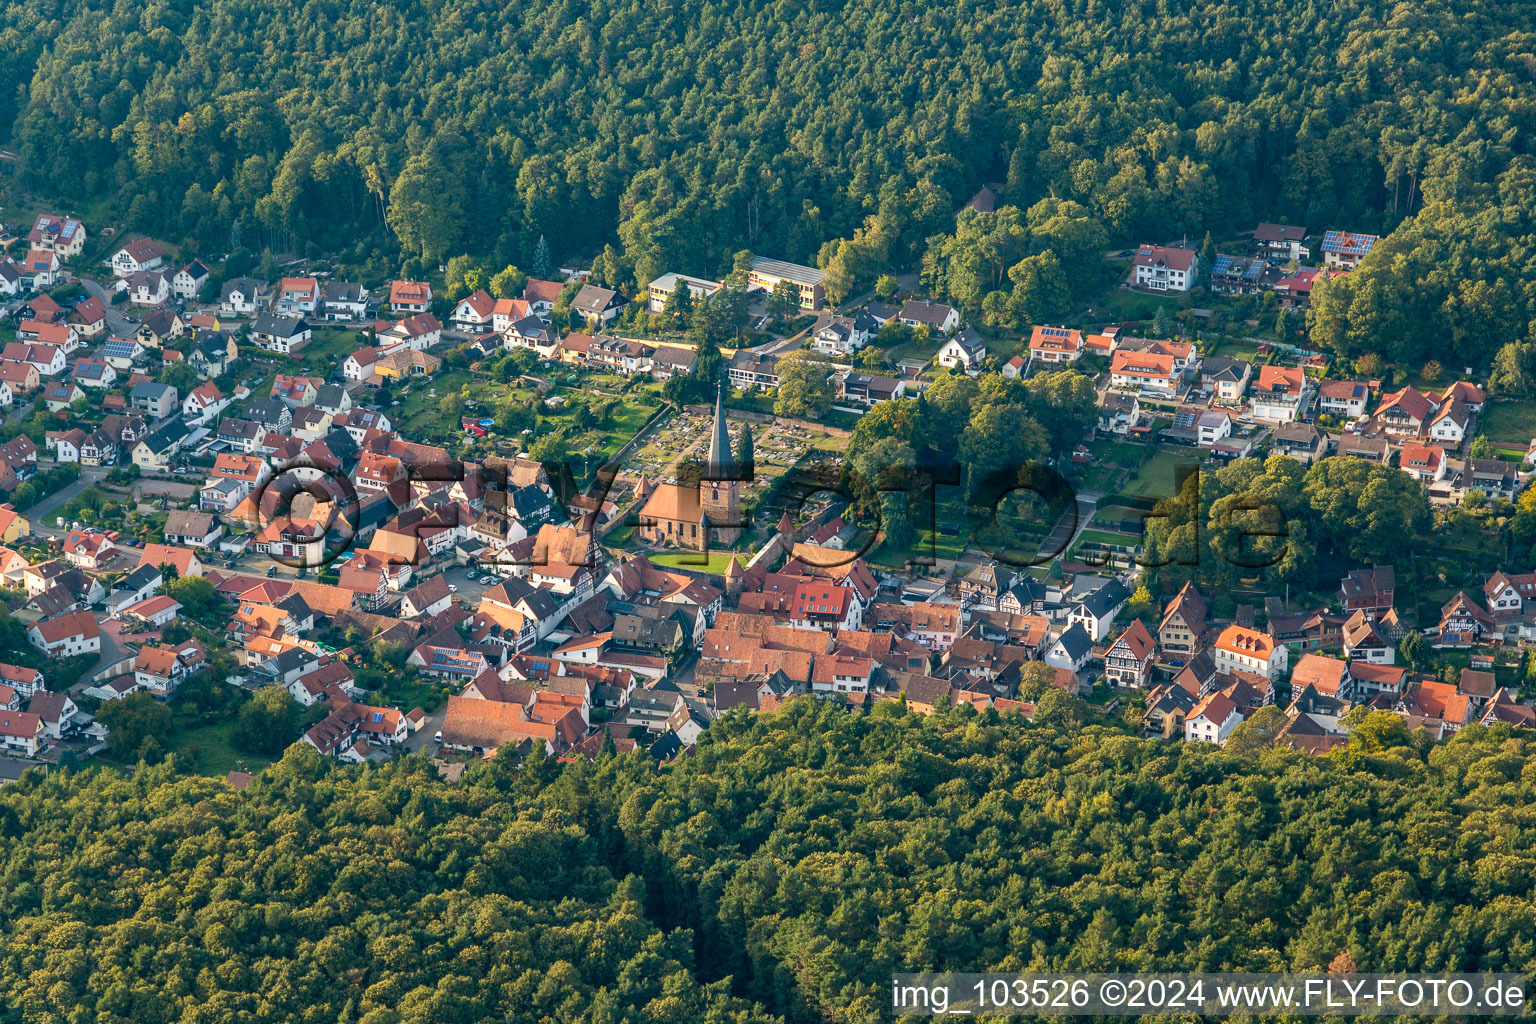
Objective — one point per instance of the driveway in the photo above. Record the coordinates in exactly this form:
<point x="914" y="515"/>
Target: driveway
<point x="422" y="739"/>
<point x="39" y="514"/>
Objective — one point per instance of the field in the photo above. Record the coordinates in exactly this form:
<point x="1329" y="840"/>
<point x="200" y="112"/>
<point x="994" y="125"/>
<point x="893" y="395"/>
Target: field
<point x="1513" y="423"/>
<point x="1156" y="478"/>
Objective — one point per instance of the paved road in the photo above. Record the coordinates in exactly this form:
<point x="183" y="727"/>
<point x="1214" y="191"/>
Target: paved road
<point x="40" y="514"/>
<point x="424" y="738"/>
<point x="117" y="320"/>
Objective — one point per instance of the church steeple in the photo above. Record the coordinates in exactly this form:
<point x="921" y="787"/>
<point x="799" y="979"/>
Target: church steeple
<point x="721" y="465"/>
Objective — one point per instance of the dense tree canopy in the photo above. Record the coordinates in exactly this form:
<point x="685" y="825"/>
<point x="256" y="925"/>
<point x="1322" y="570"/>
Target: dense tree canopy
<point x="848" y="133"/>
<point x="784" y="872"/>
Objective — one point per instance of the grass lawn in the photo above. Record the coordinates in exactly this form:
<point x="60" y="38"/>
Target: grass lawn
<point x="419" y="415"/>
<point x="1510" y="422"/>
<point x="714" y="562"/>
<point x="1156" y="478"/>
<point x="212" y="752"/>
<point x="1233" y="348"/>
<point x="1118" y="304"/>
<point x="329" y="346"/>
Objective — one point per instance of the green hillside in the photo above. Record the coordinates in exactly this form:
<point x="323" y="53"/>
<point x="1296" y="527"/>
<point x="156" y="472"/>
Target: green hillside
<point x="783" y="872"/>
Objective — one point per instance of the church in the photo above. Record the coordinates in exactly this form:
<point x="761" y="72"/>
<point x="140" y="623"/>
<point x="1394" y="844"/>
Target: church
<point x="696" y="517"/>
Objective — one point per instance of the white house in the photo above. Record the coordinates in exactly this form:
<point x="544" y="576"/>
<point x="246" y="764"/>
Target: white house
<point x="1164" y="269"/>
<point x="965" y="351"/>
<point x="138" y="255"/>
<point x="66" y="636"/>
<point x="1212" y="720"/>
<point x="1239" y="649"/>
<point x="1096" y="611"/>
<point x="187" y="283"/>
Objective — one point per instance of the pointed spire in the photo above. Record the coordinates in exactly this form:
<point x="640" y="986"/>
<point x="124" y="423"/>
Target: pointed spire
<point x="720" y="461"/>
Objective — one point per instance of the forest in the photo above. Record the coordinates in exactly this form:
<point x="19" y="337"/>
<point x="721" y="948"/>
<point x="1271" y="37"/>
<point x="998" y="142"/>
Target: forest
<point x="844" y="133"/>
<point x="781" y="874"/>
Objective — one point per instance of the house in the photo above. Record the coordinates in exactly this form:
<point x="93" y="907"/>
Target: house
<point x="62" y="235"/>
<point x="141" y="584"/>
<point x="183" y="560"/>
<point x="1366" y="639"/>
<point x="1144" y="372"/>
<point x="89" y="373"/>
<point x="47" y="359"/>
<point x="21" y="732"/>
<point x="66" y="636"/>
<point x="1014" y="367"/>
<point x="1279" y="393"/>
<point x="58" y="335"/>
<point x="1449" y="424"/>
<point x="751" y="371"/>
<point x="1425" y="463"/>
<point x="89" y="549"/>
<point x="244" y="296"/>
<point x="40" y="269"/>
<point x="428" y="598"/>
<point x="1345" y="249"/>
<point x="297" y="296"/>
<point x="13" y="525"/>
<point x="1281" y="241"/>
<point x="1182" y="624"/>
<point x="358" y="366"/>
<point x="1242" y="275"/>
<point x="285" y="334"/>
<point x="660" y="289"/>
<point x="1071" y="650"/>
<point x="203" y="403"/>
<point x="1119" y="412"/>
<point x="936" y="316"/>
<point x="1241" y="649"/>
<point x="771" y="275"/>
<point x="595" y="303"/>
<point x="1165" y="269"/>
<point x="409" y="296"/>
<point x="966" y="351"/>
<point x="1301" y="441"/>
<point x="192" y="529"/>
<point x="212" y="352"/>
<point x="868" y="389"/>
<point x="1212" y="719"/>
<point x="473" y="314"/>
<point x="668" y="361"/>
<point x="1345" y="399"/>
<point x="417" y="333"/>
<point x="1372" y="589"/>
<point x="159" y="329"/>
<point x="149" y="288"/>
<point x="343" y="301"/>
<point x="1226" y="379"/>
<point x="1097" y="610"/>
<point x="99" y="449"/>
<point x="138" y="255"/>
<point x="154" y="451"/>
<point x="155" y="400"/>
<point x="1055" y="344"/>
<point x="65" y="444"/>
<point x="1462" y="622"/>
<point x="187" y="283"/>
<point x="1167" y="708"/>
<point x="836" y="335"/>
<point x="88" y="318"/>
<point x="1128" y="662"/>
<point x="1295" y="291"/>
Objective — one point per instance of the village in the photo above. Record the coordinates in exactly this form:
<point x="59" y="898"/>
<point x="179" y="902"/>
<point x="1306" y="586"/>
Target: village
<point x="316" y="488"/>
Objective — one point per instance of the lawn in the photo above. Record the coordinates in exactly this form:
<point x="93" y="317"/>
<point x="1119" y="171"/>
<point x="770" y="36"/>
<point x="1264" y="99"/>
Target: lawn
<point x="1234" y="348"/>
<point x="1157" y="477"/>
<point x="1118" y="305"/>
<point x="211" y="751"/>
<point x="1513" y="423"/>
<point x="698" y="561"/>
<point x="328" y="347"/>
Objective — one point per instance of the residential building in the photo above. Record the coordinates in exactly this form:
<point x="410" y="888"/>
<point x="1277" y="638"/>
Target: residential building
<point x="1240" y="649"/>
<point x="1165" y="269"/>
<point x="1345" y="249"/>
